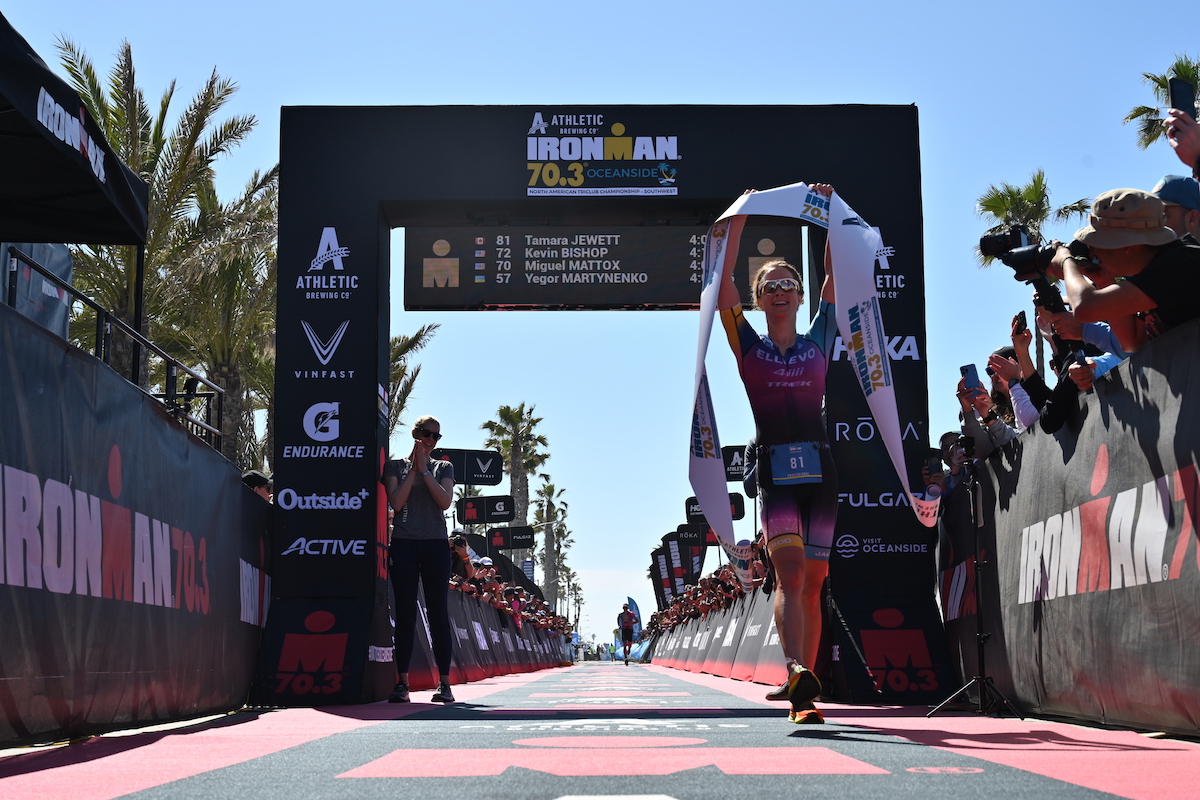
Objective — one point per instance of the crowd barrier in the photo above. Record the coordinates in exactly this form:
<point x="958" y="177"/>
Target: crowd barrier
<point x="132" y="558"/>
<point x="487" y="643"/>
<point x="738" y="642"/>
<point x="1093" y="604"/>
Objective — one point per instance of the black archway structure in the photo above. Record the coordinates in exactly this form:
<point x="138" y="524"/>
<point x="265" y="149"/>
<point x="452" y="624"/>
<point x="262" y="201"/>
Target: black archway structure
<point x="461" y="178"/>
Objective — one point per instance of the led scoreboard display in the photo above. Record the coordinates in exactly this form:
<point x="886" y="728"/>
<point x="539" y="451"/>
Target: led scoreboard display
<point x="571" y="266"/>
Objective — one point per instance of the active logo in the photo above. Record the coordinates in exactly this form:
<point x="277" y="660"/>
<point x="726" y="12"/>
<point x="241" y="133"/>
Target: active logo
<point x="321" y="422"/>
<point x="326" y="547"/>
<point x="324" y="351"/>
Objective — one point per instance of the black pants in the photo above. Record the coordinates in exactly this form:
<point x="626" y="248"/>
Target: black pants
<point x="426" y="561"/>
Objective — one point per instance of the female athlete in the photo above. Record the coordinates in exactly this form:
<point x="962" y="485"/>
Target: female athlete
<point x="784" y="374"/>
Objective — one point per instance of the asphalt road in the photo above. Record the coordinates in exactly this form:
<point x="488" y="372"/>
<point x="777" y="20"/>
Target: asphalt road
<point x="604" y="730"/>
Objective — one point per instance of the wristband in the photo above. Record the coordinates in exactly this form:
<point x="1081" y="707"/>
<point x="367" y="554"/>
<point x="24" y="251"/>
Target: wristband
<point x="426" y="472"/>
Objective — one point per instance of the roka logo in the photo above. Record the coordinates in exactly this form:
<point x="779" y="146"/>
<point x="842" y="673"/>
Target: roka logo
<point x="324" y="350"/>
<point x="329" y="250"/>
<point x="321" y="422"/>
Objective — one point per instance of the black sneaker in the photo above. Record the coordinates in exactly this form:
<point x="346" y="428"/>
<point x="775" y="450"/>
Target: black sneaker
<point x="399" y="694"/>
<point x="443" y="694"/>
<point x="802" y="684"/>
<point x="780" y="692"/>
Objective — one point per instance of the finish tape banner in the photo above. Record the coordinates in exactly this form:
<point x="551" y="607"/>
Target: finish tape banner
<point x="853" y="245"/>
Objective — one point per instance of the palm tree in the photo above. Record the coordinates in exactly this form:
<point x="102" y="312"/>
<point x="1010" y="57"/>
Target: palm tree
<point x="401" y="376"/>
<point x="217" y="301"/>
<point x="550" y="514"/>
<point x="1029" y="207"/>
<point x="176" y="163"/>
<point x="512" y="434"/>
<point x="1149" y="119"/>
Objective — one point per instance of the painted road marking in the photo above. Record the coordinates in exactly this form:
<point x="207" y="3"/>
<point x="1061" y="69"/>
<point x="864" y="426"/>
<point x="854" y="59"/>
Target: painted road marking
<point x="585" y="762"/>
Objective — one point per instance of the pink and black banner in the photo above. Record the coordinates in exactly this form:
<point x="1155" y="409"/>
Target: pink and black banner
<point x="1094" y="602"/>
<point x="134" y="579"/>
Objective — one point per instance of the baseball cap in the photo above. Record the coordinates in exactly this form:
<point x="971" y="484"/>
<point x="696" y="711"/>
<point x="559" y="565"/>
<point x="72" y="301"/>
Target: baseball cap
<point x="1125" y="217"/>
<point x="254" y="479"/>
<point x="1178" y="191"/>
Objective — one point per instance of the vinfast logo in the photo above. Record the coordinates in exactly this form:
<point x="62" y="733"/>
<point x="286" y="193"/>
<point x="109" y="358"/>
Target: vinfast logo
<point x="288" y="499"/>
<point x="321" y="422"/>
<point x="70" y="131"/>
<point x="324" y="351"/>
<point x="1139" y="535"/>
<point x="326" y="547"/>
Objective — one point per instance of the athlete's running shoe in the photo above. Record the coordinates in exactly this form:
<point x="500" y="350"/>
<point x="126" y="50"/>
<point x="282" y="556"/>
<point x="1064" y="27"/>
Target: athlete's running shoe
<point x="780" y="692"/>
<point x="399" y="694"/>
<point x="443" y="694"/>
<point x="807" y="716"/>
<point x="802" y="684"/>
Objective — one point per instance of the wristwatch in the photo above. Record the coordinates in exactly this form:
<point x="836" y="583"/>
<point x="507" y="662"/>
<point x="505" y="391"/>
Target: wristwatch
<point x="426" y="472"/>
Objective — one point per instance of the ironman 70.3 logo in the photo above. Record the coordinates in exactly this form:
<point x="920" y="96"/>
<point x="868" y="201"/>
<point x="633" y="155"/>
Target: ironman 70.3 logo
<point x="586" y="154"/>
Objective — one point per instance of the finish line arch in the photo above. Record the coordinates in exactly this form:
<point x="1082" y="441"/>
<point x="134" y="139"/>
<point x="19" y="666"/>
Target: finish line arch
<point x="560" y="193"/>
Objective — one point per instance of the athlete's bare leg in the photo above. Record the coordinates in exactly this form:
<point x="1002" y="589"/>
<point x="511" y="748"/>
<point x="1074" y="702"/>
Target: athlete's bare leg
<point x="798" y="601"/>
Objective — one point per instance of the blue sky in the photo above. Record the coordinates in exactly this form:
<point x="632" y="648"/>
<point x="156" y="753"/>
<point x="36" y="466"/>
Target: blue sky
<point x="1002" y="89"/>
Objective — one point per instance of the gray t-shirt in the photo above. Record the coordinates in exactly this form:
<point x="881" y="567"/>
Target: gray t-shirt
<point x="420" y="518"/>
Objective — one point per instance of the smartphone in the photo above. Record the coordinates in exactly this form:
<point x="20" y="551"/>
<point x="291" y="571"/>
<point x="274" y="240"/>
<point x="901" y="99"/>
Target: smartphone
<point x="1022" y="323"/>
<point x="1183" y="95"/>
<point x="934" y="461"/>
<point x="972" y="376"/>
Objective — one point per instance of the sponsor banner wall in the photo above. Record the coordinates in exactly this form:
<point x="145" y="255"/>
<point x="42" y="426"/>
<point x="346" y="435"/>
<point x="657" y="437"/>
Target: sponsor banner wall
<point x="1093" y="603"/>
<point x="134" y="575"/>
<point x="318" y="642"/>
<point x="753" y="633"/>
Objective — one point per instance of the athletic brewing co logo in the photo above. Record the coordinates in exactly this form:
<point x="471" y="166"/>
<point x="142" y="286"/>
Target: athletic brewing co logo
<point x="321" y="422"/>
<point x="324" y="351"/>
<point x="329" y="287"/>
<point x="329" y="250"/>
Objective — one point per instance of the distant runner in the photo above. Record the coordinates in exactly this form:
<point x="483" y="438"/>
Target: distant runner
<point x="625" y="621"/>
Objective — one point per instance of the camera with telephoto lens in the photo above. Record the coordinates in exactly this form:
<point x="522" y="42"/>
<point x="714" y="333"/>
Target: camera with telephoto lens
<point x="1029" y="263"/>
<point x="1027" y="259"/>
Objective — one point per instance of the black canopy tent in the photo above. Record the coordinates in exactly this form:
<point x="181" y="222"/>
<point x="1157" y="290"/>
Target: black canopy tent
<point x="59" y="179"/>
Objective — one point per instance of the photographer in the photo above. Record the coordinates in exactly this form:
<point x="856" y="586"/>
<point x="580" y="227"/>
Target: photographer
<point x="1129" y="239"/>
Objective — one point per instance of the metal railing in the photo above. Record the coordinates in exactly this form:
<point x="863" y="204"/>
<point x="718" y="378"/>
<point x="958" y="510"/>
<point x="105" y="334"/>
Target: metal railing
<point x="204" y="422"/>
